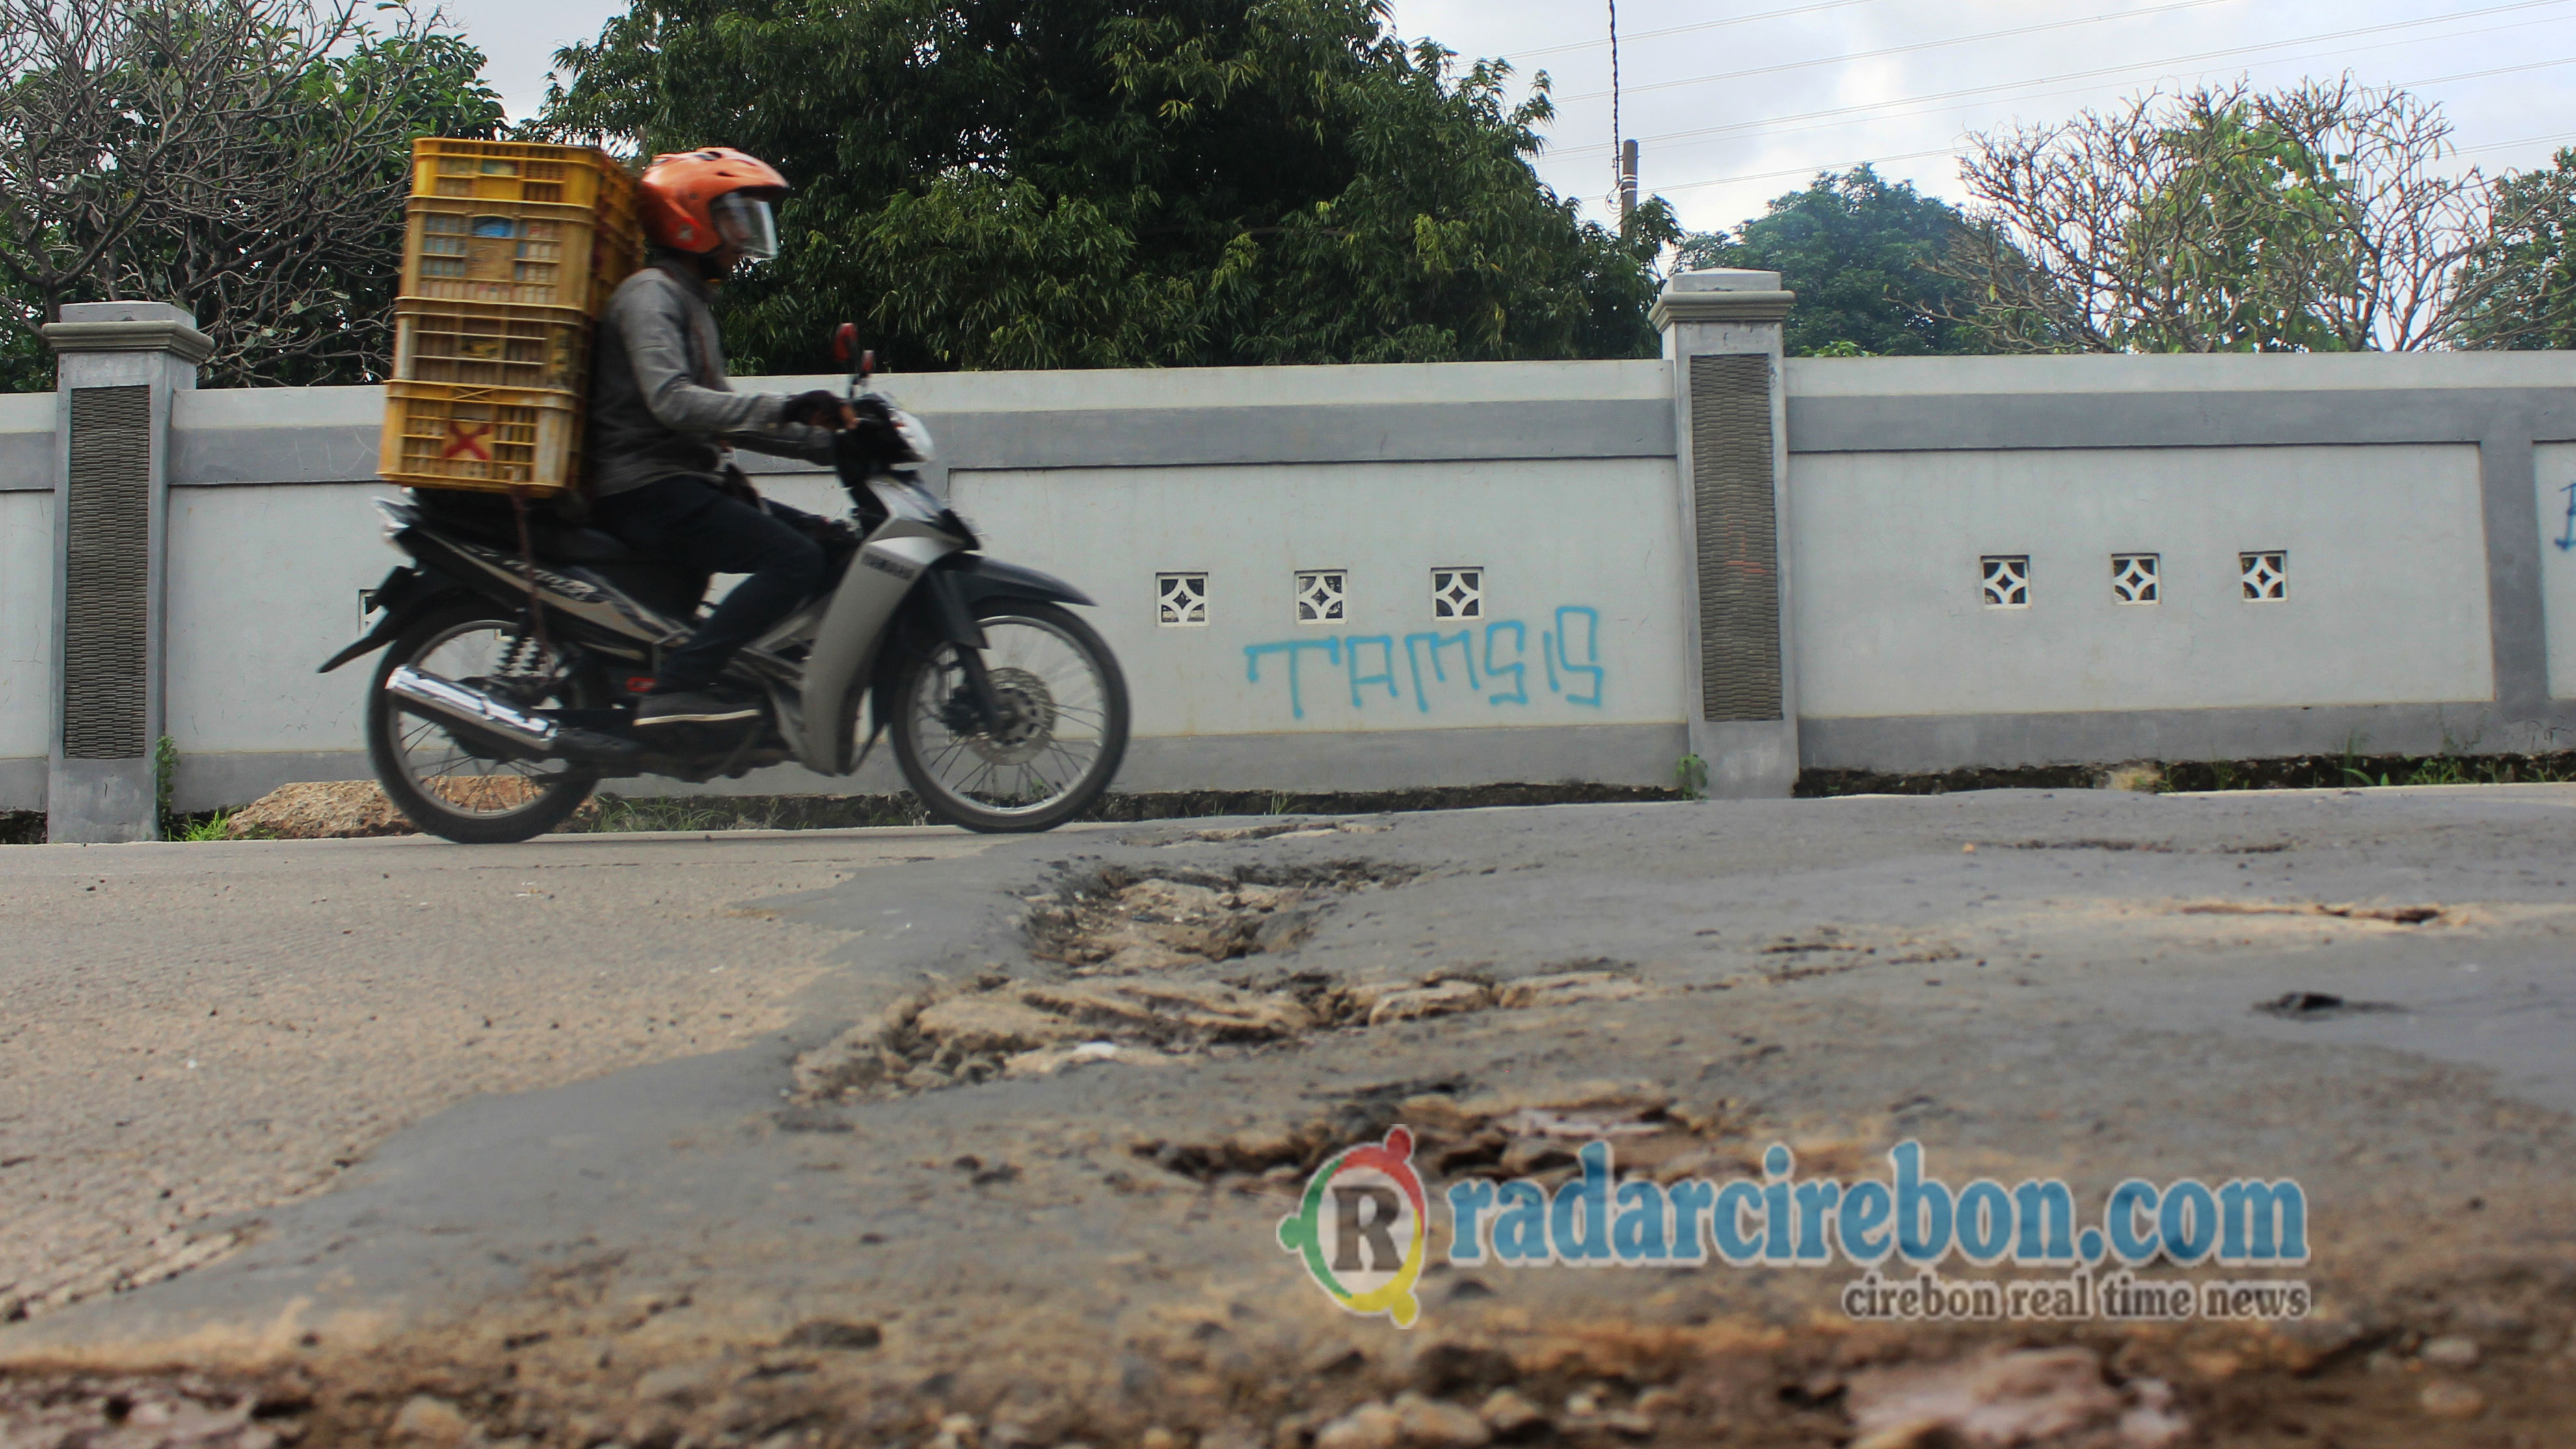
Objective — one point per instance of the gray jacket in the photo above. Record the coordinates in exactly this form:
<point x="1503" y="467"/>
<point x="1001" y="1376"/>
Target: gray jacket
<point x="660" y="406"/>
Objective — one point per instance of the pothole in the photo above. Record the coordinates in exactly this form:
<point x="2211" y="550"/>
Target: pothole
<point x="1141" y="953"/>
<point x="1460" y="1132"/>
<point x="1120" y="922"/>
<point x="1001" y="1028"/>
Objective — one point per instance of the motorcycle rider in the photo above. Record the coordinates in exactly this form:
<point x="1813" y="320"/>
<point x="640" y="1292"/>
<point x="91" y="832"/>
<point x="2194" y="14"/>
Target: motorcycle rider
<point x="663" y="419"/>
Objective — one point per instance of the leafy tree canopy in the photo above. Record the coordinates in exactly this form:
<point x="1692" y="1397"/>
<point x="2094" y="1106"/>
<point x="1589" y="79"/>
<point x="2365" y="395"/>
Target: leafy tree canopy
<point x="1858" y="253"/>
<point x="246" y="159"/>
<point x="1122" y="183"/>
<point x="2521" y="280"/>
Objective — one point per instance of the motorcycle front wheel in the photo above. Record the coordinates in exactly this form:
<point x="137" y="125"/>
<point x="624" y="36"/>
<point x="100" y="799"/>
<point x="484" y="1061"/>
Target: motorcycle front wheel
<point x="1062" y="733"/>
<point x="448" y="781"/>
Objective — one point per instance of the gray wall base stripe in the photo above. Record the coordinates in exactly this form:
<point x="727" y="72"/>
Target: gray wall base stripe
<point x="1977" y="421"/>
<point x="1368" y="760"/>
<point x="26" y="462"/>
<point x="1381" y="433"/>
<point x="1925" y="743"/>
<point x="222" y="781"/>
<point x="1115" y="438"/>
<point x="1600" y="754"/>
<point x="1406" y="759"/>
<point x="22" y="783"/>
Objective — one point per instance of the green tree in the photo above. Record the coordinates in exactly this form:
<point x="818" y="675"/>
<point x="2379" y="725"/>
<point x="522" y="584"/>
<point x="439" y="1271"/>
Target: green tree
<point x="1859" y="254"/>
<point x="245" y="159"/>
<point x="2519" y="285"/>
<point x="1122" y="183"/>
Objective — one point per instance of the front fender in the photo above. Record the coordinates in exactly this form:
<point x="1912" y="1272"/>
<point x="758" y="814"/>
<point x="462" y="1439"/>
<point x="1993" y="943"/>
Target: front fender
<point x="976" y="578"/>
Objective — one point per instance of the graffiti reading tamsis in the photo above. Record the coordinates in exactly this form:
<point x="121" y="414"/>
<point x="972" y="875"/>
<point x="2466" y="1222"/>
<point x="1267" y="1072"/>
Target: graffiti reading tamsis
<point x="1490" y="660"/>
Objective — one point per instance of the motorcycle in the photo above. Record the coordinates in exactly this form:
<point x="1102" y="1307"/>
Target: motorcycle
<point x="516" y="650"/>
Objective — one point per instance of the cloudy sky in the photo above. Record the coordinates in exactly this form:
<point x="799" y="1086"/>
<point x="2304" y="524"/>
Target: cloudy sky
<point x="1738" y="102"/>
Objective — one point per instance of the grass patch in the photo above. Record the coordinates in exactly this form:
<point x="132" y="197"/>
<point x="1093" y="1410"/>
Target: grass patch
<point x="1823" y="784"/>
<point x="2357" y="772"/>
<point x="198" y="828"/>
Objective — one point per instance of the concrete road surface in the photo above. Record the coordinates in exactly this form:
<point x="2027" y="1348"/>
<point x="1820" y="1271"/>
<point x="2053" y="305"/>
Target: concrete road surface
<point x="910" y="1137"/>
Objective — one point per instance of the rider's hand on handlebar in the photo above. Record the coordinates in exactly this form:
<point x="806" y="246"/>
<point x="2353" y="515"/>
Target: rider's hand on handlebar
<point x="818" y="409"/>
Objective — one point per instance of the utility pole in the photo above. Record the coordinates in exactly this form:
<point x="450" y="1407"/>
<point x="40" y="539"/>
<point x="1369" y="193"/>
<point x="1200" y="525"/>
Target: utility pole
<point x="1627" y="181"/>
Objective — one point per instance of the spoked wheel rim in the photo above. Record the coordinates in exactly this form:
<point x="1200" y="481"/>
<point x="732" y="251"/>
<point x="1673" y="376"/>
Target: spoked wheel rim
<point x="455" y="773"/>
<point x="1055" y="698"/>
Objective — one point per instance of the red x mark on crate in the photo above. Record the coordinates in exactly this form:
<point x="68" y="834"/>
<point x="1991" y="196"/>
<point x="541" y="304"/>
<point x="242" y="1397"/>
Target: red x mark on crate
<point x="464" y="439"/>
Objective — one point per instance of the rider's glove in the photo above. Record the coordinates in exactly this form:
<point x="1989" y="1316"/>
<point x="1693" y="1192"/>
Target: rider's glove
<point x="817" y="409"/>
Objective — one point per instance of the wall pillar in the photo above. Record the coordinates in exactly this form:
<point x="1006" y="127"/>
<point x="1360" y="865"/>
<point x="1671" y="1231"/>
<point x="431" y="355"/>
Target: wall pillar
<point x="1722" y="334"/>
<point x="117" y="365"/>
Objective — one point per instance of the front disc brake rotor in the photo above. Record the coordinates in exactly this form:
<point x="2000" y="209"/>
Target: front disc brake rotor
<point x="1028" y="719"/>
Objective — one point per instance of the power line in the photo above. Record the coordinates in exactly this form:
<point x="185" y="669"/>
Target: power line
<point x="1930" y="45"/>
<point x="1616" y="136"/>
<point x="1789" y="122"/>
<point x="2061" y="25"/>
<point x="1953" y="150"/>
<point x="2525" y="141"/>
<point x="1701" y="25"/>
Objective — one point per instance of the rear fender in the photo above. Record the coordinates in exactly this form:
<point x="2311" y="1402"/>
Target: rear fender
<point x="405" y="595"/>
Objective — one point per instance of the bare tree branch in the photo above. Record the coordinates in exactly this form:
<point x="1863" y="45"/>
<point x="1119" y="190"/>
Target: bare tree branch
<point x="241" y="158"/>
<point x="2323" y="218"/>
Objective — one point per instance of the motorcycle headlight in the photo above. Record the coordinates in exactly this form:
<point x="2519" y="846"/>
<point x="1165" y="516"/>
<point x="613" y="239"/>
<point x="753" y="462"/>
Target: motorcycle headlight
<point x="915" y="436"/>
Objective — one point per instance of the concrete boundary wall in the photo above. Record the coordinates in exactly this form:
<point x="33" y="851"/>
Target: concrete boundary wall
<point x="1917" y="417"/>
<point x="2420" y="510"/>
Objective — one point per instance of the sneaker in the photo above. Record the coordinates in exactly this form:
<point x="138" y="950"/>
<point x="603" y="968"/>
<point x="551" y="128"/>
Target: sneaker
<point x="693" y="706"/>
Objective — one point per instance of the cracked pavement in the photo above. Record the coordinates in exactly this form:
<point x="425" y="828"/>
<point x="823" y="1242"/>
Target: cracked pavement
<point x="655" y="1202"/>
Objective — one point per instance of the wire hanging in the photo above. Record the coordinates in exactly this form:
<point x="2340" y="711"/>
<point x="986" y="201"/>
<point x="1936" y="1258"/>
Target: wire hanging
<point x="1618" y="176"/>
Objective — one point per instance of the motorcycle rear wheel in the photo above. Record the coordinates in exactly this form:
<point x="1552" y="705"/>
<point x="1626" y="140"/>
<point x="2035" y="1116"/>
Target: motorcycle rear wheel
<point x="1065" y="732"/>
<point x="441" y="779"/>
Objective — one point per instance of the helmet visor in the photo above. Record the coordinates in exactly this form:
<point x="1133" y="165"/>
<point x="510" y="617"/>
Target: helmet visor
<point x="746" y="222"/>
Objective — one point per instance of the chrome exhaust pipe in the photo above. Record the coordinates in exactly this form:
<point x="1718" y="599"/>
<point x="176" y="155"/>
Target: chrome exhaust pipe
<point x="469" y="706"/>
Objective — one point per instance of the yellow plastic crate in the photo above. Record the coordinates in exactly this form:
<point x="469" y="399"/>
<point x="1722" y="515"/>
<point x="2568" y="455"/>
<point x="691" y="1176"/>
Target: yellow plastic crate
<point x="517" y="171"/>
<point x="492" y="346"/>
<point x="518" y="253"/>
<point x="487" y="439"/>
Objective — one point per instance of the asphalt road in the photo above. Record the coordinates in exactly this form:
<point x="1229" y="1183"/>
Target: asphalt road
<point x="518" y="1132"/>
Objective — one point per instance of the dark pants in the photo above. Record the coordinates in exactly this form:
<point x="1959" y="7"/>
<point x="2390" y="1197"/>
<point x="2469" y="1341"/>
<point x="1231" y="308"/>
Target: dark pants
<point x="687" y="521"/>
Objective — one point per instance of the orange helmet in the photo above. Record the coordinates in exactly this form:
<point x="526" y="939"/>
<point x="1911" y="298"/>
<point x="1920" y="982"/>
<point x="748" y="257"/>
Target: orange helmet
<point x="695" y="201"/>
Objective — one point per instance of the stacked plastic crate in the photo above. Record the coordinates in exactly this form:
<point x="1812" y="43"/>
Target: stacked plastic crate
<point x="513" y="249"/>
